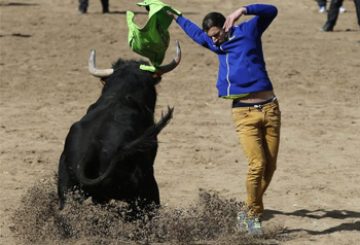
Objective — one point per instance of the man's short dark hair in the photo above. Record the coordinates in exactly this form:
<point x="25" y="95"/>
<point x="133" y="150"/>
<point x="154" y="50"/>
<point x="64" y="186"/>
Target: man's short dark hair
<point x="213" y="19"/>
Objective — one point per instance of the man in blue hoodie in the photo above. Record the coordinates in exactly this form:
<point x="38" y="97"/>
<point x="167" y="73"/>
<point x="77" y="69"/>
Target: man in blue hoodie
<point x="242" y="77"/>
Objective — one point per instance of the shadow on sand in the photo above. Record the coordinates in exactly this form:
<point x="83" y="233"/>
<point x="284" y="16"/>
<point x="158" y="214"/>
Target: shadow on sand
<point x="14" y="4"/>
<point x="320" y="214"/>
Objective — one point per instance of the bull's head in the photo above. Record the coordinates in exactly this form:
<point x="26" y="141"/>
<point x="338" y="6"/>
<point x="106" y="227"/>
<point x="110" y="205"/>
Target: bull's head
<point x="103" y="73"/>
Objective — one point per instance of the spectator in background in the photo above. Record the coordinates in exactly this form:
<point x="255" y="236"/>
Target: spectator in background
<point x="322" y="7"/>
<point x="334" y="13"/>
<point x="83" y="6"/>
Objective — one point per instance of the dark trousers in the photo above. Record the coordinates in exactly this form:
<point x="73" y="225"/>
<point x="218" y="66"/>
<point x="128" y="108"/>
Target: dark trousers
<point x="321" y="3"/>
<point x="357" y="6"/>
<point x="84" y="4"/>
<point x="334" y="13"/>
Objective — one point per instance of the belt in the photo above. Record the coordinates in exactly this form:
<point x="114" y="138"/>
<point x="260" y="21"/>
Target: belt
<point x="258" y="105"/>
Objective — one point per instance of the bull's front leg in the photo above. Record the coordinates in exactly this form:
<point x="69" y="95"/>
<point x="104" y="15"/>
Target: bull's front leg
<point x="64" y="184"/>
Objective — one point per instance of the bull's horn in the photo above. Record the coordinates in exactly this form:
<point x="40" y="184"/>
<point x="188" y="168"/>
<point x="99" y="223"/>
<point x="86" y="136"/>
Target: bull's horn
<point x="97" y="72"/>
<point x="173" y="64"/>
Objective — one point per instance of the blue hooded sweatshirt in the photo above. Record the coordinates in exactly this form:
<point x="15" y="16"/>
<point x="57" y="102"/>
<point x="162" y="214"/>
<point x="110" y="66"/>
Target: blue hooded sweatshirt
<point x="241" y="60"/>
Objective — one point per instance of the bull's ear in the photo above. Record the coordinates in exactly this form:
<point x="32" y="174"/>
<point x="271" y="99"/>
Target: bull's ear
<point x="157" y="77"/>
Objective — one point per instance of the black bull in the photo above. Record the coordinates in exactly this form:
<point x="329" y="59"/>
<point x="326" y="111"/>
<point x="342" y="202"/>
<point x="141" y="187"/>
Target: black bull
<point x="110" y="152"/>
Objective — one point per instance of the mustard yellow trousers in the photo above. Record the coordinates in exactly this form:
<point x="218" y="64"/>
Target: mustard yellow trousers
<point x="259" y="132"/>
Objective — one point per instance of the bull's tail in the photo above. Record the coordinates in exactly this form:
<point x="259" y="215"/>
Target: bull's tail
<point x="143" y="143"/>
<point x="148" y="138"/>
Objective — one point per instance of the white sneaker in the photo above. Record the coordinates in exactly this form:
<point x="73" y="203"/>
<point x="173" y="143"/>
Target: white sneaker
<point x="322" y="10"/>
<point x="342" y="10"/>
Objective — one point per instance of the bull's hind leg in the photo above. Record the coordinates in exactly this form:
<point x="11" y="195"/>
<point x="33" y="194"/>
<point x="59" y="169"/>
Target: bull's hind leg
<point x="146" y="202"/>
<point x="149" y="193"/>
<point x="154" y="195"/>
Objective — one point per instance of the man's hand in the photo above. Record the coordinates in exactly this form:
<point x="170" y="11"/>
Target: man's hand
<point x="171" y="14"/>
<point x="233" y="17"/>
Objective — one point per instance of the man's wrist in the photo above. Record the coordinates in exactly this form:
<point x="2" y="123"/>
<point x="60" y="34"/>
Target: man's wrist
<point x="244" y="10"/>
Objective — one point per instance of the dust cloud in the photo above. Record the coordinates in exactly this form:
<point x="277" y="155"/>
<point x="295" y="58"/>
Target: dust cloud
<point x="209" y="221"/>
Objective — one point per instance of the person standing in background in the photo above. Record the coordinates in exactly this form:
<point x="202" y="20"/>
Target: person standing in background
<point x="334" y="13"/>
<point x="322" y="7"/>
<point x="84" y="4"/>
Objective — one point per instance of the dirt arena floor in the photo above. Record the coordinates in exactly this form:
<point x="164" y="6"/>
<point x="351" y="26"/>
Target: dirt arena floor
<point x="45" y="87"/>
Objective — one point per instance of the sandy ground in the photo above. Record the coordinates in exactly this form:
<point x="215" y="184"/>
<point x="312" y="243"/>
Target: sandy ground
<point x="45" y="87"/>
